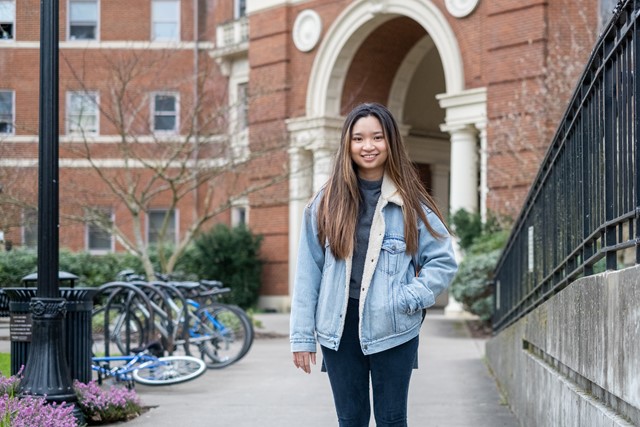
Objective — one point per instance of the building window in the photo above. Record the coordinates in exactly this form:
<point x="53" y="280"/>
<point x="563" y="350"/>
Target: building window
<point x="30" y="228"/>
<point x="165" y="20"/>
<point x="242" y="106"/>
<point x="158" y="218"/>
<point x="240" y="213"/>
<point x="6" y="111"/>
<point x="7" y="19"/>
<point x="165" y="112"/>
<point x="100" y="240"/>
<point x="240" y="9"/>
<point x="83" y="19"/>
<point x="82" y="113"/>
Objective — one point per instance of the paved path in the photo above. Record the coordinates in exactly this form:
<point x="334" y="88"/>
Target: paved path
<point x="452" y="387"/>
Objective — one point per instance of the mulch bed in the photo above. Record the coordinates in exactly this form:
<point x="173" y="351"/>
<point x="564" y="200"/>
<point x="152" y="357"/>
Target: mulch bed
<point x="479" y="329"/>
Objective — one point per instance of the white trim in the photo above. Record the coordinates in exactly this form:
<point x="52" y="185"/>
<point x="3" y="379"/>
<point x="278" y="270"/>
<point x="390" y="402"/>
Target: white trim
<point x="260" y="5"/>
<point x="351" y="28"/>
<point x="116" y="139"/>
<point x="120" y="45"/>
<point x="464" y="108"/>
<point x="114" y="163"/>
<point x="97" y="33"/>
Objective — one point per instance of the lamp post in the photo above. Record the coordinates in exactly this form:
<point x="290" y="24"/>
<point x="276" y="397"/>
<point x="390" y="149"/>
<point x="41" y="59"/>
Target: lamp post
<point x="46" y="373"/>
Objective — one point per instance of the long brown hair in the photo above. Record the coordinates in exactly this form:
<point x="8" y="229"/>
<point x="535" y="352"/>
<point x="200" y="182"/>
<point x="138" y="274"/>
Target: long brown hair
<point x="338" y="210"/>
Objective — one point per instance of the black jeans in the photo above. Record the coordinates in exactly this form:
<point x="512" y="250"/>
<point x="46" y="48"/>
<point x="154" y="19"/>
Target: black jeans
<point x="349" y="370"/>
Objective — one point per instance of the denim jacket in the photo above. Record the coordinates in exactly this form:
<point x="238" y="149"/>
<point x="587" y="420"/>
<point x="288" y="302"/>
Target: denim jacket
<point x="392" y="296"/>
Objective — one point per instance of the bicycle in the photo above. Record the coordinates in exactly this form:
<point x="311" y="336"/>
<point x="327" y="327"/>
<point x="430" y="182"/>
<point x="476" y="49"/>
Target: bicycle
<point x="146" y="368"/>
<point x="135" y="311"/>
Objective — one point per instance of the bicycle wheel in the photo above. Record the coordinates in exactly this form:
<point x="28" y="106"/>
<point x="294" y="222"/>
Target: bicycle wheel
<point x="169" y="370"/>
<point x="222" y="333"/>
<point x="124" y="328"/>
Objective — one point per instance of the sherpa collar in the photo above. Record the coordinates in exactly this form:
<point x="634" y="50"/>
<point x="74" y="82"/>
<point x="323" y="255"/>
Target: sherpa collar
<point x="390" y="192"/>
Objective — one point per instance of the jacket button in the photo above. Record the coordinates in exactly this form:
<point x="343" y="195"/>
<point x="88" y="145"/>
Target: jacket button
<point x="366" y="347"/>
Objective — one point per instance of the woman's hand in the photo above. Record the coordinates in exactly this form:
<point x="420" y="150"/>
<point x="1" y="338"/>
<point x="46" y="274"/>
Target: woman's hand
<point x="303" y="360"/>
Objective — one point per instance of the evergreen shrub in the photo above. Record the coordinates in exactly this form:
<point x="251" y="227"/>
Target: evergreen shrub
<point x="482" y="245"/>
<point x="230" y="255"/>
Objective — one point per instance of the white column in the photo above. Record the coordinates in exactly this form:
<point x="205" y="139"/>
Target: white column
<point x="464" y="184"/>
<point x="464" y="169"/>
<point x="300" y="191"/>
<point x="484" y="188"/>
<point x="322" y="164"/>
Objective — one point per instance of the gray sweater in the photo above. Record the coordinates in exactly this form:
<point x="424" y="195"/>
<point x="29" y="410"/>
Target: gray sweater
<point x="369" y="193"/>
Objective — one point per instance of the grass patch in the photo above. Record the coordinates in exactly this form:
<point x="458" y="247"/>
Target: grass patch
<point x="5" y="364"/>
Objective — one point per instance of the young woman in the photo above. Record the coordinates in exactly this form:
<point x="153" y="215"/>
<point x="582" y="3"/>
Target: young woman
<point x="374" y="252"/>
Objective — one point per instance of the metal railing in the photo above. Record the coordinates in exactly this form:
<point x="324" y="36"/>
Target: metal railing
<point x="582" y="213"/>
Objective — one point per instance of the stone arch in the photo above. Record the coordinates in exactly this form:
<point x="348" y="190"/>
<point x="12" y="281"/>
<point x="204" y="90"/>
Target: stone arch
<point x="352" y="27"/>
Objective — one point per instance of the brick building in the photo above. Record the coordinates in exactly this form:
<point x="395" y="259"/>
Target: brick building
<point x="256" y="91"/>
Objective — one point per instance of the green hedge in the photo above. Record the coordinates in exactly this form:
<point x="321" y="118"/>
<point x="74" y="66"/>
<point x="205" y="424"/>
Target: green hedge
<point x="231" y="256"/>
<point x="482" y="245"/>
<point x="92" y="270"/>
<point x="226" y="254"/>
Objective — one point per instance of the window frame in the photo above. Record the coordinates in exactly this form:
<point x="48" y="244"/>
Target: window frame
<point x="31" y="228"/>
<point x="238" y="206"/>
<point x="96" y="102"/>
<point x="12" y="123"/>
<point x="239" y="9"/>
<point x="12" y="22"/>
<point x="164" y="212"/>
<point x="154" y="20"/>
<point x="242" y="106"/>
<point x="154" y="113"/>
<point x="97" y="21"/>
<point x="88" y="226"/>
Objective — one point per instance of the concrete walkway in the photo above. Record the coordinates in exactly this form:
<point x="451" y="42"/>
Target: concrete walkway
<point x="452" y="387"/>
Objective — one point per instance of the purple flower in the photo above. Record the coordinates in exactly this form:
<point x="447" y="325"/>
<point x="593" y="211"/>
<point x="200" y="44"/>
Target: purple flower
<point x="113" y="404"/>
<point x="32" y="411"/>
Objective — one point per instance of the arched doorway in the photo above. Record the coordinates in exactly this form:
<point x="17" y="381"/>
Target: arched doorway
<point x="402" y="54"/>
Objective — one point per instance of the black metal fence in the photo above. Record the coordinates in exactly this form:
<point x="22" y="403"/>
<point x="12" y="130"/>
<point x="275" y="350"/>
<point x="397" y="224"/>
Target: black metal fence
<point x="582" y="214"/>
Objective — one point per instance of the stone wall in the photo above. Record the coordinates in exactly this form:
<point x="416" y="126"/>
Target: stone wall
<point x="575" y="360"/>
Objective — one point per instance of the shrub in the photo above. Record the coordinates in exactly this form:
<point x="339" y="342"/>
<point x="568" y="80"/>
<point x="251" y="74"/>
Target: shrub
<point x="482" y="247"/>
<point x="16" y="264"/>
<point x="106" y="406"/>
<point x="231" y="256"/>
<point x="92" y="270"/>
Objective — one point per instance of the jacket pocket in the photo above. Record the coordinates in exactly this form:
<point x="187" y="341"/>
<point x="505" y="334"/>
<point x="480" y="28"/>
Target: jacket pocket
<point x="405" y="317"/>
<point x="391" y="254"/>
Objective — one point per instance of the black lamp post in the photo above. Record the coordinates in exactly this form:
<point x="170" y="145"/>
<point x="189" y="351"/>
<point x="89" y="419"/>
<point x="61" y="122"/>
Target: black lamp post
<point x="47" y="374"/>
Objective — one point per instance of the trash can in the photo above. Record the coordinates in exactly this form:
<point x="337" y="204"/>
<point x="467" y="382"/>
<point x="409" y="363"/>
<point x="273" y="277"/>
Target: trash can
<point x="4" y="304"/>
<point x="19" y="325"/>
<point x="76" y="329"/>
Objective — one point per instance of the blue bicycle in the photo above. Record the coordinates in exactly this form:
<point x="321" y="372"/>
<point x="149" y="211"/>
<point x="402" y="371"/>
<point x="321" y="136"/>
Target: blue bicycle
<point x="145" y="368"/>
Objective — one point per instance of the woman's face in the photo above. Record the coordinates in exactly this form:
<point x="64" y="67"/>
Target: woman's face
<point x="368" y="148"/>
